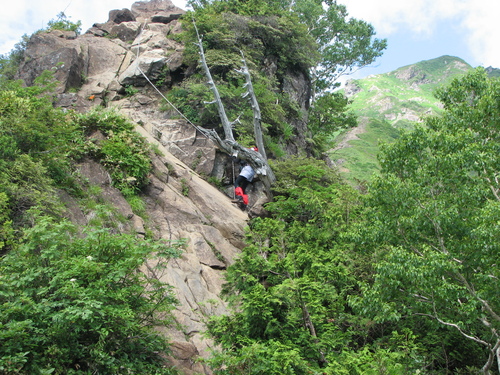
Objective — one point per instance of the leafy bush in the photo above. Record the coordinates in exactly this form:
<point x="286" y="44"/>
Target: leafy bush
<point x="79" y="304"/>
<point x="124" y="152"/>
<point x="37" y="142"/>
<point x="63" y="23"/>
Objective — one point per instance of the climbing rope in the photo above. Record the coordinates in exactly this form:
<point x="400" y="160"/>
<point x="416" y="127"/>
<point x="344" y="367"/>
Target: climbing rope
<point x="179" y="112"/>
<point x="163" y="96"/>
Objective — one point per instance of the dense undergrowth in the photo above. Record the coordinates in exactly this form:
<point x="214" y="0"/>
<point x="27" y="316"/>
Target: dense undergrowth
<point x="72" y="300"/>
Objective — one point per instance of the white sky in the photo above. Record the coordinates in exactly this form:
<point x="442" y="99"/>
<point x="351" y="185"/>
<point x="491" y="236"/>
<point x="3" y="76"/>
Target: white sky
<point x="416" y="29"/>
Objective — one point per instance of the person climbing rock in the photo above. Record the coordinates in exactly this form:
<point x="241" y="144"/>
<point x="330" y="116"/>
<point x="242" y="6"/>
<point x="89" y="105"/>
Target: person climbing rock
<point x="240" y="184"/>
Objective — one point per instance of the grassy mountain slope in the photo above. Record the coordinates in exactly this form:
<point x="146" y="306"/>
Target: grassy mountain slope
<point x="387" y="103"/>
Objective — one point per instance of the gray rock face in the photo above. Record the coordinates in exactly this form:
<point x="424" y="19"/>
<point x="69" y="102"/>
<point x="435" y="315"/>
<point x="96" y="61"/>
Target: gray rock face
<point x="56" y="52"/>
<point x="93" y="69"/>
<point x="119" y="16"/>
<point x="181" y="205"/>
<point x="150" y="63"/>
<point x="298" y="87"/>
<point x="165" y="17"/>
<point x="148" y="9"/>
<point x="126" y="31"/>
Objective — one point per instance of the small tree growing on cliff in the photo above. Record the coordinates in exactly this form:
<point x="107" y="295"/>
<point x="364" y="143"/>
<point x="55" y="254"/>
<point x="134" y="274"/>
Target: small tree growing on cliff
<point x="62" y="22"/>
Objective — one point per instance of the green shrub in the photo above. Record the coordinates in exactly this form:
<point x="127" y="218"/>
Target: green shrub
<point x="63" y="23"/>
<point x="123" y="152"/>
<point x="78" y="304"/>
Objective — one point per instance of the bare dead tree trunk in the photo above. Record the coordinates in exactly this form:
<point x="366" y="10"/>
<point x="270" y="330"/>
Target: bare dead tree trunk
<point x="226" y="125"/>
<point x="258" y="160"/>
<point x="257" y="125"/>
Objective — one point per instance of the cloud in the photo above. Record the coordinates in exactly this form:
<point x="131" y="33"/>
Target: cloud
<point x="478" y="23"/>
<point x="483" y="33"/>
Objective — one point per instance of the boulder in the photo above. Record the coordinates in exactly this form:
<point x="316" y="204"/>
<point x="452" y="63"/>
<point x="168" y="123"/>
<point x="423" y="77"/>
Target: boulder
<point x="150" y="63"/>
<point x="164" y="17"/>
<point x="101" y="29"/>
<point x="148" y="9"/>
<point x="66" y="63"/>
<point x="74" y="62"/>
<point x="73" y="101"/>
<point x="119" y="16"/>
<point x="126" y="31"/>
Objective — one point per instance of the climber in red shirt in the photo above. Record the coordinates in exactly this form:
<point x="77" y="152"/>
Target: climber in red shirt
<point x="240" y="184"/>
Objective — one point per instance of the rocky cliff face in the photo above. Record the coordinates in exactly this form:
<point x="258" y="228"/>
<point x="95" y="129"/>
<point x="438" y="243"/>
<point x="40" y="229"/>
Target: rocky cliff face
<point x="105" y="66"/>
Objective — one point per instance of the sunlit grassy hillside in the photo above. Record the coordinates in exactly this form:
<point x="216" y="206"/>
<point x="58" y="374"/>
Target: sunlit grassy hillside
<point x="387" y="104"/>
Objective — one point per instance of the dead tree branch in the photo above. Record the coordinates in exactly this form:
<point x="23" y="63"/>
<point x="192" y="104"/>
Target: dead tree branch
<point x="258" y="160"/>
<point x="226" y="125"/>
<point x="257" y="124"/>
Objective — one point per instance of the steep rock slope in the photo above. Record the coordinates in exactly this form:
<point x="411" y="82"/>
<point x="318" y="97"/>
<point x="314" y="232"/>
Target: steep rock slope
<point x="104" y="67"/>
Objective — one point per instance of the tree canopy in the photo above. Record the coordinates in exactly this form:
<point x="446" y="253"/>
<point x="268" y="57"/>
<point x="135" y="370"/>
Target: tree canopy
<point x="282" y="42"/>
<point x="400" y="280"/>
<point x="435" y="219"/>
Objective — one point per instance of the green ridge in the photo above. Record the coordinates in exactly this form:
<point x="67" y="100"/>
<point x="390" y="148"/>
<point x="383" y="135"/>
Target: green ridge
<point x="388" y="103"/>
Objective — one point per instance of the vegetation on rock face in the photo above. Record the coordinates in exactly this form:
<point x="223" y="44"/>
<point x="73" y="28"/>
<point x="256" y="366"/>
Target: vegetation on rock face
<point x="72" y="300"/>
<point x="40" y="146"/>
<point x="123" y="151"/>
<point x="285" y="45"/>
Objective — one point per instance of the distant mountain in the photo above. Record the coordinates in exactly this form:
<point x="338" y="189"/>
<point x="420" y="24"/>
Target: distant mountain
<point x="493" y="72"/>
<point x="387" y="103"/>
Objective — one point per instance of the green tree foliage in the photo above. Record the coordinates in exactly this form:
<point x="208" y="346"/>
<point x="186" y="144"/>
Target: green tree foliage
<point x="6" y="232"/>
<point x="35" y="140"/>
<point x="9" y="62"/>
<point x="434" y="218"/>
<point x="73" y="304"/>
<point x="290" y="285"/>
<point x="329" y="114"/>
<point x="280" y="40"/>
<point x="345" y="43"/>
<point x="63" y="23"/>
